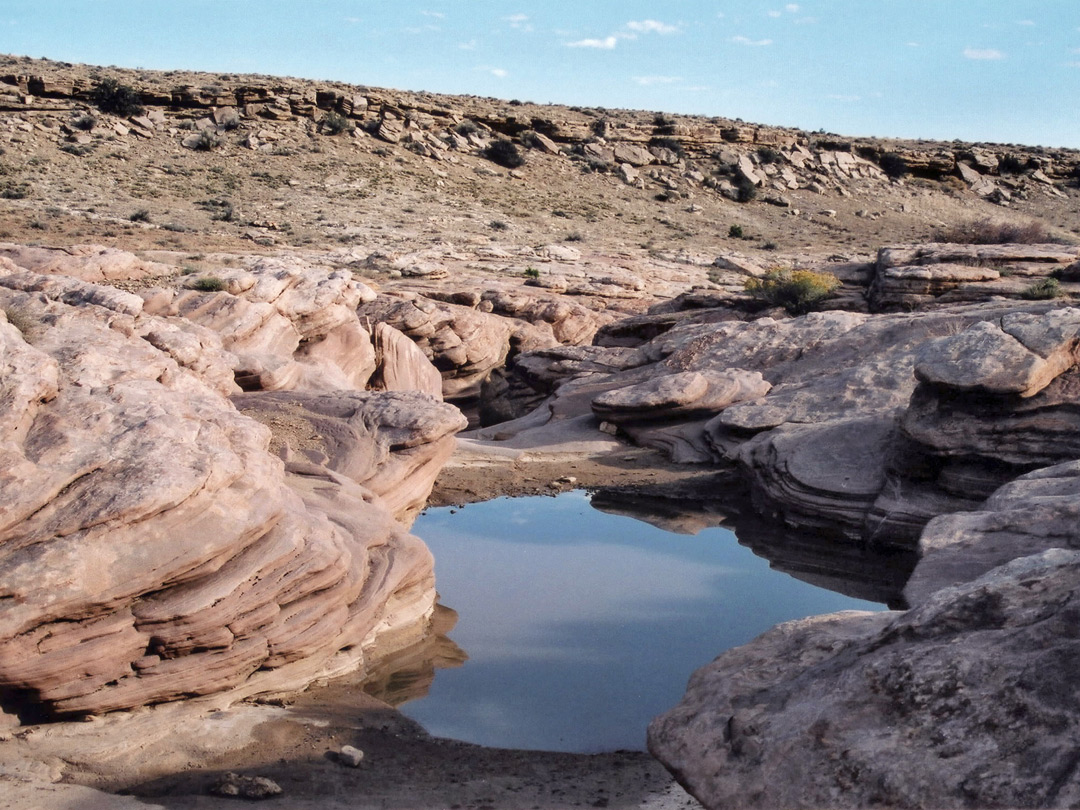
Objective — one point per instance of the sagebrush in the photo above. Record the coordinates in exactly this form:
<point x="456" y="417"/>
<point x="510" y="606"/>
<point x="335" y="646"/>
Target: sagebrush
<point x="797" y="291"/>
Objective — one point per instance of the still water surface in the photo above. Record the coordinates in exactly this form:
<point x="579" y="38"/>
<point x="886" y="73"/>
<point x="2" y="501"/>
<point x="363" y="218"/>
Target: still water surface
<point x="580" y="626"/>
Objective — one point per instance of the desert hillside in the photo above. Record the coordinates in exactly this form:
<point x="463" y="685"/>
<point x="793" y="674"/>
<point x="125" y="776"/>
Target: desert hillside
<point x="229" y="162"/>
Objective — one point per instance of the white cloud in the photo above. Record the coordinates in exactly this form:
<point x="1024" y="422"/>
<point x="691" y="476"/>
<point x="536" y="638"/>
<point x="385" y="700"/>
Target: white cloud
<point x="1025" y="22"/>
<point x="1072" y="64"/>
<point x="652" y="81"/>
<point x="519" y="21"/>
<point x="438" y="15"/>
<point x="792" y="8"/>
<point x="983" y="54"/>
<point x="775" y="13"/>
<point x="499" y="73"/>
<point x="913" y="44"/>
<point x="605" y="44"/>
<point x="468" y="46"/>
<point x="652" y="27"/>
<point x="840" y="97"/>
<point x="354" y="20"/>
<point x="755" y="43"/>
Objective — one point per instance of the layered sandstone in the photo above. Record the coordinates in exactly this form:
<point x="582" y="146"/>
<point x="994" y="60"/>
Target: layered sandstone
<point x="152" y="548"/>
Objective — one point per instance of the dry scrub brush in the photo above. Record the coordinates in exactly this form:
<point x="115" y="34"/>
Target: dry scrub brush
<point x="986" y="231"/>
<point x="797" y="291"/>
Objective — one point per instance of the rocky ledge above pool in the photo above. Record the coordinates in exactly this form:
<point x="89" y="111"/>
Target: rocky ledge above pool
<point x="151" y="546"/>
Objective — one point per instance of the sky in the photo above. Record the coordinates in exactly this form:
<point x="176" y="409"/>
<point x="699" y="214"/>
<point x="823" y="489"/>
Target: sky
<point x="1002" y="71"/>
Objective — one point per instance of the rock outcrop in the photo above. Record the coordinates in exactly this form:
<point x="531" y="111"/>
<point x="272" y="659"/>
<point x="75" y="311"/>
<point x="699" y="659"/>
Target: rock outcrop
<point x="970" y="683"/>
<point x="924" y="276"/>
<point x="85" y="262"/>
<point x="967" y="700"/>
<point x="152" y="548"/>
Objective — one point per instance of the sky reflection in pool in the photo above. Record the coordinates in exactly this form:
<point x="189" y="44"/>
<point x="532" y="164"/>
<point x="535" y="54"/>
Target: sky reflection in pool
<point x="580" y="626"/>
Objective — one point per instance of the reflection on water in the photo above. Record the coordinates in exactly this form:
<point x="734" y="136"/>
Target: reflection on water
<point x="407" y="674"/>
<point x="580" y="625"/>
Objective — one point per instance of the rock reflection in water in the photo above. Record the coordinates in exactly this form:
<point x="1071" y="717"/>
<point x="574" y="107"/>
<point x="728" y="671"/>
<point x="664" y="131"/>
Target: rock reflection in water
<point x="407" y="674"/>
<point x="822" y="559"/>
<point x="581" y="625"/>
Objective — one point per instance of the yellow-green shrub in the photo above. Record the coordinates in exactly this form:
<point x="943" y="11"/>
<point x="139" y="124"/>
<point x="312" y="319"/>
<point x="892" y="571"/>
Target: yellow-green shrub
<point x="797" y="291"/>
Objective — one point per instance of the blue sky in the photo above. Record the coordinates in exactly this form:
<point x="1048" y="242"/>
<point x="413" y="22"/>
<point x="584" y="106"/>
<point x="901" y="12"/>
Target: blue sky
<point x="993" y="70"/>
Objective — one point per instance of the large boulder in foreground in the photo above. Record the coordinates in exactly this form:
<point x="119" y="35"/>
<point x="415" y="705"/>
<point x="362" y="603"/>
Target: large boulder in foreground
<point x="969" y="700"/>
<point x="151" y="548"/>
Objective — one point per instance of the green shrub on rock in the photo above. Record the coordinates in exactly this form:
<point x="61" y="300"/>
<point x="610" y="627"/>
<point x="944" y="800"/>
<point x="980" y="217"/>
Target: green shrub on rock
<point x="797" y="291"/>
<point x="112" y="97"/>
<point x="208" y="284"/>
<point x="1042" y="290"/>
<point x="334" y="123"/>
<point x="505" y="154"/>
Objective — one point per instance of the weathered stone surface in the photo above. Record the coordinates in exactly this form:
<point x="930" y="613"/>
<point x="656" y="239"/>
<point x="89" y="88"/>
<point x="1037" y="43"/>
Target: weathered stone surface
<point x="679" y="395"/>
<point x="634" y="155"/>
<point x="392" y="443"/>
<point x="898" y="287"/>
<point x="1009" y="432"/>
<point x="463" y="344"/>
<point x="152" y="549"/>
<point x="1019" y="355"/>
<point x="921" y="276"/>
<point x="1033" y="513"/>
<point x="968" y="700"/>
<point x="400" y="365"/>
<point x="235" y="786"/>
<point x="976" y="255"/>
<point x="290" y="325"/>
<point x="824" y="475"/>
<point x="85" y="262"/>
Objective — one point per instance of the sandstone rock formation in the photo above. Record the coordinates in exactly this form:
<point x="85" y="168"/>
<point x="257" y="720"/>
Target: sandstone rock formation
<point x="919" y="276"/>
<point x="85" y="262"/>
<point x="969" y="686"/>
<point x="151" y="548"/>
<point x="967" y="700"/>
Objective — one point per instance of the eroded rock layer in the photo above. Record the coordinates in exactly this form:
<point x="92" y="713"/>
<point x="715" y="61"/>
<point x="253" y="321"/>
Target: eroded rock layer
<point x="152" y="548"/>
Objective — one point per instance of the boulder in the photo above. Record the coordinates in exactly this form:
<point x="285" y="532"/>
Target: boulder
<point x="636" y="156"/>
<point x="967" y="700"/>
<point x="151" y="549"/>
<point x="1020" y="355"/>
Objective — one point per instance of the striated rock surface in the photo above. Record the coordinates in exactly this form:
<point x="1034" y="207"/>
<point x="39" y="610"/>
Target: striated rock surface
<point x="1021" y="354"/>
<point x="968" y="700"/>
<point x="932" y="275"/>
<point x="85" y="262"/>
<point x="462" y="343"/>
<point x="392" y="443"/>
<point x="290" y="325"/>
<point x="1035" y="512"/>
<point x="151" y="548"/>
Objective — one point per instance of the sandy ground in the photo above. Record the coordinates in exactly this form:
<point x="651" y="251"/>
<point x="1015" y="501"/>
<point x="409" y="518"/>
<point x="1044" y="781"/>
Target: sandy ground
<point x="405" y="768"/>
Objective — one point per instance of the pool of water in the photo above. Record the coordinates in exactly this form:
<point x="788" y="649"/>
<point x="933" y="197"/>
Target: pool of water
<point x="579" y="626"/>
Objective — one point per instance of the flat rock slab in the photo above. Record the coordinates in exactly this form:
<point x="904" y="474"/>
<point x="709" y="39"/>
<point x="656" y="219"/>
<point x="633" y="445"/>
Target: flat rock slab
<point x="987" y="358"/>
